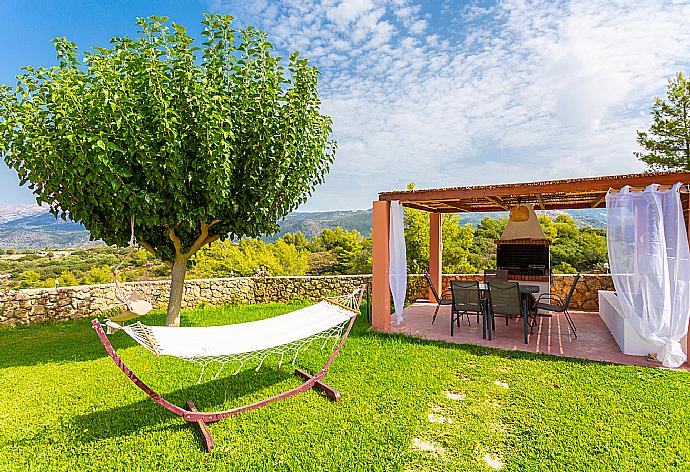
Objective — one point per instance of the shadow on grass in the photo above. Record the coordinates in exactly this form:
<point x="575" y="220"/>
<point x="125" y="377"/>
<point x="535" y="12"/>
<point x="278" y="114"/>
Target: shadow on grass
<point x="62" y="341"/>
<point x="54" y="342"/>
<point x="146" y="414"/>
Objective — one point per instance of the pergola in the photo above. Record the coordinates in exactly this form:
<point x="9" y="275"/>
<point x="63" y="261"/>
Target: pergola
<point x="565" y="194"/>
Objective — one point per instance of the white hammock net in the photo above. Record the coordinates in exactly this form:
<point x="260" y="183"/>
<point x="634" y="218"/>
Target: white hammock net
<point x="282" y="336"/>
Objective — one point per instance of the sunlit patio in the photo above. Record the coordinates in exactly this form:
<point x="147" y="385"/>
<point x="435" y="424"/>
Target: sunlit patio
<point x="523" y="257"/>
<point x="550" y="335"/>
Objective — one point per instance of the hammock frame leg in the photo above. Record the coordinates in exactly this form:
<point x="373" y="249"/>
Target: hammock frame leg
<point x="192" y="415"/>
<point x="203" y="429"/>
<point x="322" y="387"/>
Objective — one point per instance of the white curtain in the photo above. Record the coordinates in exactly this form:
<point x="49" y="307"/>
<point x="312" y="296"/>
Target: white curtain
<point x="650" y="265"/>
<point x="398" y="258"/>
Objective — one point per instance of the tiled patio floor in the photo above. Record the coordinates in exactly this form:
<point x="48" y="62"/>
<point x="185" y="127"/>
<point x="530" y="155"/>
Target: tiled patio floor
<point x="551" y="335"/>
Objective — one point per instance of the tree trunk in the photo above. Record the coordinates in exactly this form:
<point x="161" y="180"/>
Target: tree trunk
<point x="179" y="270"/>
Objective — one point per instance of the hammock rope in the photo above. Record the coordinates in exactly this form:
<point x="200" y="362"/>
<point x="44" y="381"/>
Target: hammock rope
<point x="135" y="304"/>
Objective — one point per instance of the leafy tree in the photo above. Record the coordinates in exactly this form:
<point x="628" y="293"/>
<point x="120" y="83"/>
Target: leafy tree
<point x="291" y="260"/>
<point x="220" y="259"/>
<point x="249" y="257"/>
<point x="358" y="259"/>
<point x="297" y="239"/>
<point x="417" y="240"/>
<point x="47" y="283"/>
<point x="667" y="143"/>
<point x="352" y="254"/>
<point x="458" y="241"/>
<point x="259" y="258"/>
<point x="564" y="268"/>
<point x="333" y="239"/>
<point x="195" y="142"/>
<point x="574" y="249"/>
<point x="485" y="235"/>
<point x="457" y="253"/>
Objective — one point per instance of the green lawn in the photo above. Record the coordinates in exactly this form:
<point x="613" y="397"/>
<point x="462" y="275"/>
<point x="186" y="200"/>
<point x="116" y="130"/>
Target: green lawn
<point x="65" y="406"/>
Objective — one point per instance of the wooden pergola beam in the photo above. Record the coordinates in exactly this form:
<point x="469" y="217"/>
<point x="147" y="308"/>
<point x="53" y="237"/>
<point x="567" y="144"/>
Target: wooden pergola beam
<point x="457" y="206"/>
<point x="420" y="206"/>
<point x="599" y="201"/>
<point x="584" y="204"/>
<point x="541" y="201"/>
<point x="498" y="202"/>
<point x="569" y="186"/>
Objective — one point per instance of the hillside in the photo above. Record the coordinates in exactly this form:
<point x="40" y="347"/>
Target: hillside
<point x="312" y="224"/>
<point x="33" y="227"/>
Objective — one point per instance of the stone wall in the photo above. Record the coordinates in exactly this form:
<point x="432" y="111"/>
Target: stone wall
<point x="586" y="295"/>
<point x="49" y="304"/>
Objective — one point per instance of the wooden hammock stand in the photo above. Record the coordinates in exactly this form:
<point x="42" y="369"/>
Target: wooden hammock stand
<point x="201" y="419"/>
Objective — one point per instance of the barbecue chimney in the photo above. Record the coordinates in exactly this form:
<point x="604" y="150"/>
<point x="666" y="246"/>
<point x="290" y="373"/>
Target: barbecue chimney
<point x="523" y="249"/>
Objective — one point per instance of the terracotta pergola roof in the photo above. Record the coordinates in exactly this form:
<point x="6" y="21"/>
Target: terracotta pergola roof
<point x="587" y="192"/>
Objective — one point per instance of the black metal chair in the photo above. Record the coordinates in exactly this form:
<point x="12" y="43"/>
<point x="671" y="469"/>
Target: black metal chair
<point x="505" y="300"/>
<point x="495" y="274"/>
<point x="558" y="305"/>
<point x="440" y="301"/>
<point x="467" y="299"/>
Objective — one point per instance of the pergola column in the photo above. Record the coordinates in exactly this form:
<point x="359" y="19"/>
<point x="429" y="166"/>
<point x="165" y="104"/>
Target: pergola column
<point x="435" y="251"/>
<point x="380" y="267"/>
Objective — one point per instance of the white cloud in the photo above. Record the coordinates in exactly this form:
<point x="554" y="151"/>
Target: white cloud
<point x="348" y="10"/>
<point x="492" y="94"/>
<point x="418" y="26"/>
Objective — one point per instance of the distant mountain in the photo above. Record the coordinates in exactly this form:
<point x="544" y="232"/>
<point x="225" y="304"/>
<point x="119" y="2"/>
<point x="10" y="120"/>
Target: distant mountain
<point x="13" y="212"/>
<point x="312" y="224"/>
<point x="44" y="221"/>
<point x="590" y="217"/>
<point x="33" y="227"/>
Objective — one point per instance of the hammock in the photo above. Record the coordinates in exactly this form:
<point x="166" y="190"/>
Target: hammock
<point x="331" y="319"/>
<point x="257" y="340"/>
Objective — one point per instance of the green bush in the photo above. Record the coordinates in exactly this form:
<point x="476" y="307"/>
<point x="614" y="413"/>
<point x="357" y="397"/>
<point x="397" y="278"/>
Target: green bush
<point x="67" y="279"/>
<point x="98" y="275"/>
<point x="564" y="268"/>
<point x="30" y="278"/>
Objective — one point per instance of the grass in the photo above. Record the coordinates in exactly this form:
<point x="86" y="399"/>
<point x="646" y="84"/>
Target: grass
<point x="65" y="406"/>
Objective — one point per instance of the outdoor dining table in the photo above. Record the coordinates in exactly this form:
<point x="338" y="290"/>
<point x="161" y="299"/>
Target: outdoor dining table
<point x="525" y="290"/>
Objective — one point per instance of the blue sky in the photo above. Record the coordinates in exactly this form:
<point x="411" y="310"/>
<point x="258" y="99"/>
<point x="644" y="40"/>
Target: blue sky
<point x="441" y="93"/>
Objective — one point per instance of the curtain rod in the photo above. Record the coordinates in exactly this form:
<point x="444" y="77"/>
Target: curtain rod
<point x="683" y="188"/>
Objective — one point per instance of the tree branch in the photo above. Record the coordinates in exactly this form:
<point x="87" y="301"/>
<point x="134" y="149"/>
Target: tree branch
<point x="203" y="238"/>
<point x="175" y="240"/>
<point x="148" y="246"/>
<point x="210" y="239"/>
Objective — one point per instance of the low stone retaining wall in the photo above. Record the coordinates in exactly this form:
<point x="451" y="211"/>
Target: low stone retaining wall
<point x="37" y="305"/>
<point x="50" y="304"/>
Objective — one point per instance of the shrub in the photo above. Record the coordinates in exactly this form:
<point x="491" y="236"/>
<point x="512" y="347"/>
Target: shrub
<point x="98" y="275"/>
<point x="30" y="279"/>
<point x="67" y="279"/>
